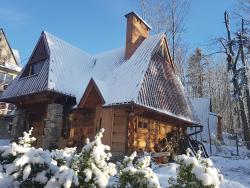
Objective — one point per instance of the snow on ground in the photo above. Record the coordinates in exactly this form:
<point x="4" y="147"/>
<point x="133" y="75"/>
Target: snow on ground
<point x="235" y="169"/>
<point x="4" y="142"/>
<point x="163" y="176"/>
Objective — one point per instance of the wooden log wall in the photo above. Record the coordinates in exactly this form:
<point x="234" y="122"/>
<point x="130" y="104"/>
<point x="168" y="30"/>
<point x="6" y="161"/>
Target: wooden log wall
<point x="113" y="120"/>
<point x="144" y="133"/>
<point x="124" y="132"/>
<point x="82" y="127"/>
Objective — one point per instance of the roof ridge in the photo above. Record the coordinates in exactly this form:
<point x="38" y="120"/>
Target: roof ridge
<point x="50" y="35"/>
<point x="109" y="51"/>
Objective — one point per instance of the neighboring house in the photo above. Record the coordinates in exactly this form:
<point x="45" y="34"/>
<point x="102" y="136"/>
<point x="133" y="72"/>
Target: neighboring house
<point x="211" y="121"/>
<point x="67" y="94"/>
<point x="9" y="68"/>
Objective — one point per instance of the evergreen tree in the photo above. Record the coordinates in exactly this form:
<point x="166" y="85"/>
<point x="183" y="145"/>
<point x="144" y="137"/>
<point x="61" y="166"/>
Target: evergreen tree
<point x="196" y="74"/>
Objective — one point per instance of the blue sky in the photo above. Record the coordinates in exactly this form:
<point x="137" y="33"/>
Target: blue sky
<point x="97" y="25"/>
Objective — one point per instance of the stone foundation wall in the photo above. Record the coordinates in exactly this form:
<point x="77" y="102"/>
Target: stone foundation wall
<point x="4" y="125"/>
<point x="19" y="124"/>
<point x="53" y="126"/>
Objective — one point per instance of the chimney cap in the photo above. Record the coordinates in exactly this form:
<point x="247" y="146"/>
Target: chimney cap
<point x="140" y="18"/>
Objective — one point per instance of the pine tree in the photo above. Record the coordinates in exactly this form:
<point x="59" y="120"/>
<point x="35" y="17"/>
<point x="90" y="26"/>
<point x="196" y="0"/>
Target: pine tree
<point x="196" y="74"/>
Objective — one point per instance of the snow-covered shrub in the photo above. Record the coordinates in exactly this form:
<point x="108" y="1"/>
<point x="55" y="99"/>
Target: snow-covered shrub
<point x="27" y="140"/>
<point x="27" y="166"/>
<point x="138" y="174"/>
<point x="195" y="172"/>
<point x="92" y="164"/>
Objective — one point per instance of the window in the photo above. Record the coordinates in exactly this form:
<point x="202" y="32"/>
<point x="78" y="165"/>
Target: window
<point x="5" y="78"/>
<point x="33" y="69"/>
<point x="2" y="77"/>
<point x="142" y="125"/>
<point x="8" y="78"/>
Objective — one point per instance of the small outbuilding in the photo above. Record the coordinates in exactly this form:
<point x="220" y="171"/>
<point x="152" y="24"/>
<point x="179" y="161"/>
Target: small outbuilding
<point x="212" y="124"/>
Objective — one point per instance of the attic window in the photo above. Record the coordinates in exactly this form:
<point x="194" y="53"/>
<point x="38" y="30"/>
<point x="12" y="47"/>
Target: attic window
<point x="33" y="68"/>
<point x="162" y="51"/>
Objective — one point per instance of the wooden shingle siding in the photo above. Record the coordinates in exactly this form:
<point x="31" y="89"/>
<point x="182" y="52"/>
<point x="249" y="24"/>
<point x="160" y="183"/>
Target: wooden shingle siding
<point x="41" y="51"/>
<point x="161" y="89"/>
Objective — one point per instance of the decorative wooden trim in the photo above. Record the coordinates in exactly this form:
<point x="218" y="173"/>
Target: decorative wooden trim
<point x="41" y="50"/>
<point x="91" y="85"/>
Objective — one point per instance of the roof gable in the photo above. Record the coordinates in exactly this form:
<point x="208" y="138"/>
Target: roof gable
<point x="41" y="51"/>
<point x="92" y="96"/>
<point x="124" y="83"/>
<point x="69" y="66"/>
<point x="7" y="57"/>
<point x="161" y="89"/>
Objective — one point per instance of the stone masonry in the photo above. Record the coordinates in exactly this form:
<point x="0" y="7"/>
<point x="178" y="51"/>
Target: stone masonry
<point x="53" y="126"/>
<point x="19" y="124"/>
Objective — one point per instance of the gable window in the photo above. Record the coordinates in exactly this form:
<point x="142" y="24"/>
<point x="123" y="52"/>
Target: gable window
<point x="33" y="69"/>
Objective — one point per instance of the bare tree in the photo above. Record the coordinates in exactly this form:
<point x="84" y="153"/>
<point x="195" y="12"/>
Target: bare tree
<point x="169" y="16"/>
<point x="243" y="10"/>
<point x="234" y="50"/>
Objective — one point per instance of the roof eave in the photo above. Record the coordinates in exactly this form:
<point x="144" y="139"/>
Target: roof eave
<point x="191" y="123"/>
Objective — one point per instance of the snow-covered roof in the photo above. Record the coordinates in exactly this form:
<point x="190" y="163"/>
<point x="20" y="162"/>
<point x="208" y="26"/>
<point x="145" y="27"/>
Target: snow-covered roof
<point x="68" y="70"/>
<point x="208" y="119"/>
<point x="11" y="66"/>
<point x="140" y="19"/>
<point x="202" y="108"/>
<point x="17" y="56"/>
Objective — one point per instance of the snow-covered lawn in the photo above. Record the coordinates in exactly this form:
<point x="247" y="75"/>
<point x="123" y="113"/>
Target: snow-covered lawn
<point x="235" y="169"/>
<point x="163" y="176"/>
<point x="236" y="172"/>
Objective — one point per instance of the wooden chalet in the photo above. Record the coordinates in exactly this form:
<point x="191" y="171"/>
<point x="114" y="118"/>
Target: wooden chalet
<point x="67" y="94"/>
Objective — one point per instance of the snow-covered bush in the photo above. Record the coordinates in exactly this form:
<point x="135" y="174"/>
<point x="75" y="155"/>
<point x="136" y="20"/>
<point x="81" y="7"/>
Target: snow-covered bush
<point x="195" y="172"/>
<point x="26" y="166"/>
<point x="92" y="164"/>
<point x="136" y="173"/>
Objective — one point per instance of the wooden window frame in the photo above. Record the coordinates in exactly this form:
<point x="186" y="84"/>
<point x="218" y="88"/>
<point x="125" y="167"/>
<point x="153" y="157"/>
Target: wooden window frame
<point x="28" y="70"/>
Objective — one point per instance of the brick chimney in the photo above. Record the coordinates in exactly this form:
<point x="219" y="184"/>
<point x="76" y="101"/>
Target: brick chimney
<point x="137" y="31"/>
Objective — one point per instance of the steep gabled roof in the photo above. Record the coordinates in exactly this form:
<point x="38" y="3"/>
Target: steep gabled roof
<point x="123" y="84"/>
<point x="13" y="62"/>
<point x="161" y="89"/>
<point x="68" y="70"/>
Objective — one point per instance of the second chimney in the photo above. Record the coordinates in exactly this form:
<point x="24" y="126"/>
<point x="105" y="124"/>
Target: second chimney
<point x="137" y="31"/>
